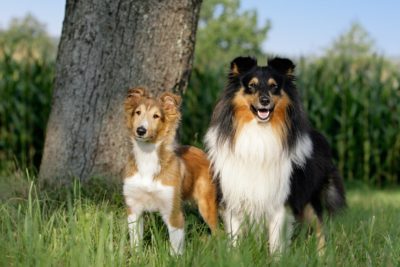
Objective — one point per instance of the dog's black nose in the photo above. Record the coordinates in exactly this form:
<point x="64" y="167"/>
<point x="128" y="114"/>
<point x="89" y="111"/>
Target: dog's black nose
<point x="141" y="131"/>
<point x="264" y="100"/>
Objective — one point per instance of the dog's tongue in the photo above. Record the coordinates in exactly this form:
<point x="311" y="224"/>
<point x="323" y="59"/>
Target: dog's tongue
<point x="263" y="114"/>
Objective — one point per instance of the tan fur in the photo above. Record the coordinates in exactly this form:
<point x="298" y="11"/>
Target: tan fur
<point x="271" y="82"/>
<point x="187" y="170"/>
<point x="235" y="70"/>
<point x="128" y="210"/>
<point x="310" y="217"/>
<point x="177" y="219"/>
<point x="241" y="103"/>
<point x="254" y="81"/>
<point x="130" y="168"/>
<point x="279" y="114"/>
<point x="197" y="183"/>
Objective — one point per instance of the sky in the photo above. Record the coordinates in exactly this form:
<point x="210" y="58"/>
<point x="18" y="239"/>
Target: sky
<point x="298" y="27"/>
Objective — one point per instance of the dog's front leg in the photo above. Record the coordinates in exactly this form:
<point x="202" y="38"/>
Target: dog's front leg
<point x="177" y="239"/>
<point x="175" y="224"/>
<point x="232" y="225"/>
<point x="135" y="226"/>
<point x="278" y="231"/>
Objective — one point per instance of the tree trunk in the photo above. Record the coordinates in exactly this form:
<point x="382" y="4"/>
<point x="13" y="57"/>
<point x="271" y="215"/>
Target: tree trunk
<point x="106" y="47"/>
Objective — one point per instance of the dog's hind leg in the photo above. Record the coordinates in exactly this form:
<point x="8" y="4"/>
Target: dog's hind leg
<point x="205" y="196"/>
<point x="313" y="220"/>
<point x="208" y="210"/>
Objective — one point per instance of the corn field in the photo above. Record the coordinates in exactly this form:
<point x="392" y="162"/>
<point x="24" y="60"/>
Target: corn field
<point x="25" y="96"/>
<point x="356" y="104"/>
<point x="353" y="101"/>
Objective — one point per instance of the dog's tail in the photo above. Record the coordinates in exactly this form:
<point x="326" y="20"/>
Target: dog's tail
<point x="334" y="193"/>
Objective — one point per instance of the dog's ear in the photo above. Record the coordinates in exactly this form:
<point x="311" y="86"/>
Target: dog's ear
<point x="136" y="93"/>
<point x="133" y="97"/>
<point x="242" y="65"/>
<point x="170" y="104"/>
<point x="282" y="65"/>
<point x="170" y="101"/>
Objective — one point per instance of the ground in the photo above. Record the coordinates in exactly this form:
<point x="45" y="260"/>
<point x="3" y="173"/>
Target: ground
<point x="80" y="228"/>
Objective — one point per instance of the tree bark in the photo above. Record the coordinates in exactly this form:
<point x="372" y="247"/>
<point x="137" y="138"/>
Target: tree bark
<point x="106" y="47"/>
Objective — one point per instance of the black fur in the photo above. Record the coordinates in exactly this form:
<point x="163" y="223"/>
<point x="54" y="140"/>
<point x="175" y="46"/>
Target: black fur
<point x="223" y="112"/>
<point x="318" y="181"/>
<point x="310" y="183"/>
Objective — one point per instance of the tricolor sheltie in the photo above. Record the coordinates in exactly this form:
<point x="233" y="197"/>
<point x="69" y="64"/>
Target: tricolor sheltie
<point x="266" y="156"/>
<point x="159" y="174"/>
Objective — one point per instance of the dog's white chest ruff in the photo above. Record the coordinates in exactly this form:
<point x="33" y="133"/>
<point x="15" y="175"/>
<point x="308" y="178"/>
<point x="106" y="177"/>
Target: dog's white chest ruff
<point x="141" y="191"/>
<point x="255" y="173"/>
<point x="144" y="194"/>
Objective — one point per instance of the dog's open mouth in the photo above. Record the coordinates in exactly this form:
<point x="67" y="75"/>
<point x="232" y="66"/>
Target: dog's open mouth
<point x="263" y="114"/>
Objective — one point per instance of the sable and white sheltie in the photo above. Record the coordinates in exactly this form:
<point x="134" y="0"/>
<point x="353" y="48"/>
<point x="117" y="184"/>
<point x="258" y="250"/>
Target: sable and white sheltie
<point x="266" y="156"/>
<point x="159" y="174"/>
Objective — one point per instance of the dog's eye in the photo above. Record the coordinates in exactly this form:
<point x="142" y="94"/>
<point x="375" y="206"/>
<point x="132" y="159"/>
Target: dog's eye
<point x="156" y="116"/>
<point x="251" y="88"/>
<point x="274" y="87"/>
<point x="138" y="112"/>
<point x="252" y="85"/>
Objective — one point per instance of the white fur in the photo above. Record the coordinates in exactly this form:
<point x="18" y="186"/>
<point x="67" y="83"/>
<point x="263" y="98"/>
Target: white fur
<point x="135" y="226"/>
<point x="146" y="158"/>
<point x="255" y="175"/>
<point x="302" y="150"/>
<point x="143" y="193"/>
<point x="145" y="124"/>
<point x="280" y="230"/>
<point x="177" y="239"/>
<point x="232" y="223"/>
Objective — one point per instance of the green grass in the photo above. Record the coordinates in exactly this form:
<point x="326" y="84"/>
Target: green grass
<point x="78" y="228"/>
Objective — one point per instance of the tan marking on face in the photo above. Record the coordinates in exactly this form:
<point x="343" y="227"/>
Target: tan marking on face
<point x="271" y="82"/>
<point x="241" y="105"/>
<point x="254" y="82"/>
<point x="278" y="116"/>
